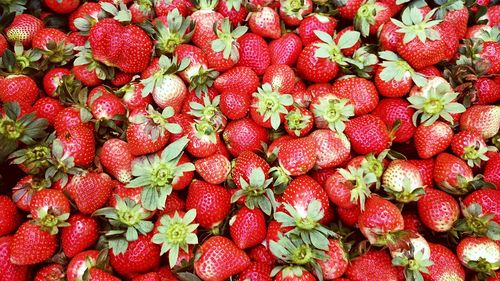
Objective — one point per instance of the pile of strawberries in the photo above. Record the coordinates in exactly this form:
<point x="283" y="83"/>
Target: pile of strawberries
<point x="249" y="140"/>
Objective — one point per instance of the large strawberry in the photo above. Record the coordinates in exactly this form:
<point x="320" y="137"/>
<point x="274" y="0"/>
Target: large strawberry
<point x="482" y="119"/>
<point x="433" y="139"/>
<point x="9" y="270"/>
<point x="479" y="254"/>
<point x="368" y="134"/>
<point x="438" y="210"/>
<point x="248" y="227"/>
<point x="254" y="53"/>
<point x="32" y="243"/>
<point x="445" y="264"/>
<point x="212" y="203"/>
<point x="361" y="93"/>
<point x="90" y="191"/>
<point x="244" y="134"/>
<point x="396" y="112"/>
<point x="285" y="50"/>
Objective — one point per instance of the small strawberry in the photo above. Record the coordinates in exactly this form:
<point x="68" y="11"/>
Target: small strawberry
<point x="487" y="199"/>
<point x="254" y="53"/>
<point x="248" y="227"/>
<point x="299" y="122"/>
<point x="79" y="143"/>
<point x="285" y="50"/>
<point x="438" y="210"/>
<point x="203" y="139"/>
<point x="372" y="265"/>
<point x="349" y="188"/>
<point x="238" y="78"/>
<point x="265" y="22"/>
<point x="330" y="111"/>
<point x="368" y="134"/>
<point x="234" y="105"/>
<point x="433" y="139"/>
<point x="269" y="106"/>
<point x="361" y="93"/>
<point x="389" y="37"/>
<point x="292" y="13"/>
<point x="490" y="170"/>
<point x="205" y="18"/>
<point x="212" y="203"/>
<point x="18" y="88"/>
<point x="51" y="272"/>
<point x="115" y="156"/>
<point x="452" y="174"/>
<point x="471" y="147"/>
<point x="402" y="181"/>
<point x="256" y="271"/>
<point x="337" y="261"/>
<point x="105" y="105"/>
<point x="47" y="108"/>
<point x="23" y="29"/>
<point x="370" y="16"/>
<point x="244" y="134"/>
<point x="315" y="22"/>
<point x="395" y="111"/>
<point x="62" y="7"/>
<point x="235" y="10"/>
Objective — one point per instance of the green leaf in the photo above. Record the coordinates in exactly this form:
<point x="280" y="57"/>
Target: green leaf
<point x="150" y="197"/>
<point x="325" y="37"/>
<point x="348" y="39"/>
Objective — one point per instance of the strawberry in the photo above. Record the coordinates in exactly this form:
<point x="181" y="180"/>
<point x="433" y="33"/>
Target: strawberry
<point x="361" y="93"/>
<point x="90" y="191"/>
<point x="487" y="91"/>
<point x="337" y="263"/>
<point x="87" y="74"/>
<point x="49" y="204"/>
<point x="234" y="10"/>
<point x="349" y="188"/>
<point x="203" y="139"/>
<point x="141" y="256"/>
<point x="244" y="134"/>
<point x="479" y="254"/>
<point x="487" y="199"/>
<point x="133" y="98"/>
<point x="104" y="105"/>
<point x="265" y="22"/>
<point x="372" y="265"/>
<point x="51" y="272"/>
<point x="368" y="134"/>
<point x="330" y="111"/>
<point x="433" y="139"/>
<point x="426" y="169"/>
<point x="214" y="257"/>
<point x="256" y="271"/>
<point x="370" y="16"/>
<point x="97" y="274"/>
<point x="18" y="88"/>
<point x="47" y="108"/>
<point x="457" y="15"/>
<point x="297" y="156"/>
<point x="32" y="244"/>
<point x="445" y="265"/>
<point x="452" y="174"/>
<point x="115" y="156"/>
<point x="4" y="45"/>
<point x="350" y="50"/>
<point x="422" y="44"/>
<point x="347" y="9"/>
<point x="234" y="105"/>
<point x="62" y="7"/>
<point x="490" y="174"/>
<point x="52" y="43"/>
<point x="280" y="77"/>
<point x="53" y="79"/>
<point x="11" y="218"/>
<point x="163" y="8"/>
<point x="285" y="50"/>
<point x="394" y="111"/>
<point x="212" y="203"/>
<point x="469" y="146"/>
<point x="314" y="22"/>
<point x="292" y="13"/>
<point x="23" y="28"/>
<point x="205" y="18"/>
<point x="381" y="221"/>
<point x="482" y="119"/>
<point x="438" y="210"/>
<point x="238" y="78"/>
<point x="9" y="270"/>
<point x="80" y="235"/>
<point x="141" y="12"/>
<point x="79" y="265"/>
<point x="248" y="227"/>
<point x="87" y="10"/>
<point x="389" y="37"/>
<point x="402" y="181"/>
<point x="213" y="169"/>
<point x="197" y="74"/>
<point x="299" y="122"/>
<point x="78" y="143"/>
<point x="25" y="188"/>
<point x="254" y="53"/>
<point x="269" y="106"/>
<point x="294" y="274"/>
<point x="69" y="118"/>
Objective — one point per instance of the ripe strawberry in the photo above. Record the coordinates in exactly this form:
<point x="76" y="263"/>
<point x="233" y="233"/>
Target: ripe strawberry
<point x="78" y="264"/>
<point x="294" y="274"/>
<point x="392" y="110"/>
<point x="79" y="143"/>
<point x="213" y="169"/>
<point x="18" y="88"/>
<point x="47" y="108"/>
<point x="389" y="37"/>
<point x="62" y="7"/>
<point x="433" y="139"/>
<point x="219" y="259"/>
<point x="261" y="254"/>
<point x="490" y="170"/>
<point x="133" y="98"/>
<point x="347" y="9"/>
<point x="265" y="22"/>
<point x="244" y="134"/>
<point x="370" y="16"/>
<point x="480" y="254"/>
<point x="299" y="122"/>
<point x="445" y="265"/>
<point x="256" y="271"/>
<point x="458" y="15"/>
<point x="90" y="191"/>
<point x="205" y="18"/>
<point x="482" y="119"/>
<point x="372" y="265"/>
<point x="25" y="188"/>
<point x="51" y="272"/>
<point x="87" y="74"/>
<point x="402" y="181"/>
<point x="380" y="221"/>
<point x="82" y="233"/>
<point x="297" y="156"/>
<point x="452" y="174"/>
<point x="280" y="77"/>
<point x="69" y="118"/>
<point x="254" y="53"/>
<point x="469" y="146"/>
<point x="238" y="78"/>
<point x="285" y="50"/>
<point x="488" y="200"/>
<point x="116" y="158"/>
<point x="248" y="227"/>
<point x="438" y="210"/>
<point x="234" y="10"/>
<point x="97" y="274"/>
<point x="10" y="218"/>
<point x="489" y="51"/>
<point x="234" y="105"/>
<point x="361" y="93"/>
<point x="10" y="271"/>
<point x="23" y="28"/>
<point x="350" y="50"/>
<point x="86" y="10"/>
<point x="105" y="105"/>
<point x="426" y="169"/>
<point x="49" y="203"/>
<point x="487" y="91"/>
<point x="337" y="263"/>
<point x="203" y="139"/>
<point x="32" y="244"/>
<point x="368" y="134"/>
<point x="141" y="256"/>
<point x="349" y="188"/>
<point x="315" y="22"/>
<point x="212" y="203"/>
<point x="4" y="45"/>
<point x="269" y="107"/>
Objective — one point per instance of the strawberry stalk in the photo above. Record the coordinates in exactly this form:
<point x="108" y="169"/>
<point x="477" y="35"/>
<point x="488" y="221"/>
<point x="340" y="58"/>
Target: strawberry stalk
<point x="271" y="105"/>
<point x="256" y="192"/>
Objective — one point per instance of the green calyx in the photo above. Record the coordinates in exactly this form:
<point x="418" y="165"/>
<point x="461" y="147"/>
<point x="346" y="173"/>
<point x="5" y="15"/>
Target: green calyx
<point x="208" y="111"/>
<point x="121" y="14"/>
<point x="434" y="103"/>
<point x="331" y="50"/>
<point x="395" y="68"/>
<point x="334" y="111"/>
<point x="34" y="158"/>
<point x="294" y="8"/>
<point x="362" y="62"/>
<point x="414" y="25"/>
<point x="415" y="264"/>
<point x="179" y="30"/>
<point x="476" y="223"/>
<point x="280" y="177"/>
<point x="306" y="225"/>
<point x="157" y="123"/>
<point x="361" y="181"/>
<point x="257" y="192"/>
<point x="202" y="80"/>
<point x="205" y="4"/>
<point x="271" y="104"/>
<point x="365" y="16"/>
<point x="297" y="121"/>
<point x="233" y="5"/>
<point x="374" y="165"/>
<point x="226" y="41"/>
<point x="205" y="130"/>
<point x="156" y="174"/>
<point x="176" y="233"/>
<point x="167" y="67"/>
<point x="58" y="52"/>
<point x="408" y="193"/>
<point x="446" y="6"/>
<point x="476" y="153"/>
<point x="22" y="61"/>
<point x="51" y="222"/>
<point x="61" y="164"/>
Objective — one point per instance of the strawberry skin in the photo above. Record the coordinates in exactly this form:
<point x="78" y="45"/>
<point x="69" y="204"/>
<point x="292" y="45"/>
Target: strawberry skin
<point x="10" y="271"/>
<point x="337" y="261"/>
<point x="285" y="50"/>
<point x="115" y="156"/>
<point x="433" y="139"/>
<point x="32" y="245"/>
<point x="23" y="29"/>
<point x="446" y="265"/>
<point x="248" y="227"/>
<point x="219" y="259"/>
<point x="256" y="271"/>
<point x="373" y="265"/>
<point x="212" y="203"/>
<point x="488" y="199"/>
<point x="82" y="233"/>
<point x="18" y="88"/>
<point x="482" y="119"/>
<point x="297" y="156"/>
<point x="380" y="217"/>
<point x="393" y="109"/>
<point x="254" y="53"/>
<point x="213" y="169"/>
<point x="90" y="191"/>
<point x="438" y="210"/>
<point x="10" y="218"/>
<point x="368" y="134"/>
<point x="360" y="92"/>
<point x="244" y="134"/>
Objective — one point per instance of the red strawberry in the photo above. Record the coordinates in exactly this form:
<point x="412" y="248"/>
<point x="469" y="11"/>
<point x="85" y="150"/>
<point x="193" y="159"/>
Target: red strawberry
<point x="480" y="254"/>
<point x="62" y="7"/>
<point x="203" y="139"/>
<point x="368" y="134"/>
<point x="245" y="164"/>
<point x="10" y="218"/>
<point x="32" y="244"/>
<point x="348" y="51"/>
<point x="370" y="16"/>
<point x="457" y="15"/>
<point x="433" y="139"/>
<point x="47" y="108"/>
<point x="336" y="264"/>
<point x="254" y="53"/>
<point x="482" y="119"/>
<point x="97" y="274"/>
<point x="372" y="265"/>
<point x="289" y="274"/>
<point x="349" y="188"/>
<point x="389" y="37"/>
<point x="87" y="74"/>
<point x="469" y="146"/>
<point x="213" y="169"/>
<point x="360" y="92"/>
<point x="69" y="118"/>
<point x="244" y="134"/>
<point x="18" y="88"/>
<point x="380" y="220"/>
<point x="23" y="28"/>
<point x="256" y="271"/>
<point x="212" y="203"/>
<point x="280" y="77"/>
<point x="87" y="9"/>
<point x="49" y="202"/>
<point x="394" y="110"/>
<point x="115" y="156"/>
<point x="239" y="78"/>
<point x="347" y="9"/>
<point x="219" y="259"/>
<point x="205" y="18"/>
<point x="452" y="174"/>
<point x="488" y="91"/>
<point x="133" y="98"/>
<point x="299" y="122"/>
<point x="248" y="227"/>
<point x="53" y="79"/>
<point x="105" y="105"/>
<point x="265" y="22"/>
<point x="445" y="265"/>
<point x="491" y="170"/>
<point x="78" y="264"/>
<point x="4" y="45"/>
<point x="488" y="200"/>
<point x="426" y="168"/>
<point x="285" y="50"/>
<point x="261" y="254"/>
<point x="79" y="143"/>
<point x="51" y="272"/>
<point x="315" y="22"/>
<point x="234" y="105"/>
<point x="82" y="233"/>
<point x="438" y="210"/>
<point x="90" y="191"/>
<point x="234" y="10"/>
<point x="297" y="156"/>
<point x="10" y="271"/>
